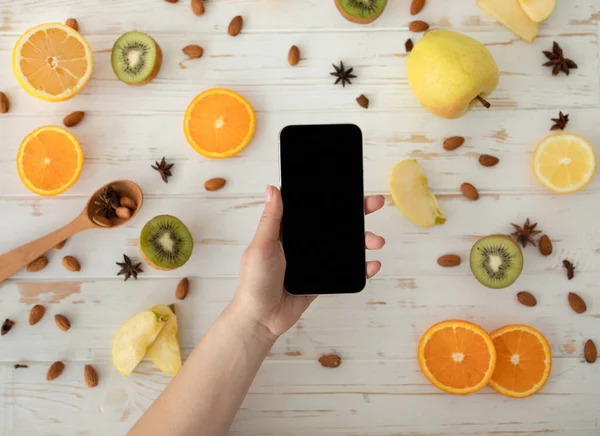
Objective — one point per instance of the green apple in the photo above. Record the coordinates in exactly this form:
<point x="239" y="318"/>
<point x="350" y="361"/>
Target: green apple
<point x="511" y="15"/>
<point x="133" y="338"/>
<point x="165" y="351"/>
<point x="449" y="72"/>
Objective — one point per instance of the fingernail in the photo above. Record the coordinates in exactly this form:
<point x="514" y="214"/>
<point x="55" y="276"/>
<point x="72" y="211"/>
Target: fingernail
<point x="269" y="193"/>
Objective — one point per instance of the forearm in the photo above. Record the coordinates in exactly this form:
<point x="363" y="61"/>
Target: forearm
<point x="206" y="394"/>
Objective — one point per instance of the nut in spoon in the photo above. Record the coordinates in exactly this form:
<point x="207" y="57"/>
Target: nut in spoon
<point x="16" y="259"/>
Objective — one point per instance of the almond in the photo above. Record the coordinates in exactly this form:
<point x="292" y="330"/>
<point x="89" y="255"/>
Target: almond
<point x="526" y="299"/>
<point x="102" y="221"/>
<point x="363" y="101"/>
<point x="55" y="370"/>
<point x="214" y="184"/>
<point x="198" y="7"/>
<point x="90" y="376"/>
<point x="123" y="212"/>
<point x="60" y="245"/>
<point x="171" y="1"/>
<point x="294" y="55"/>
<point x="73" y="118"/>
<point x="453" y="143"/>
<point x="62" y="322"/>
<point x="128" y="203"/>
<point x="4" y="105"/>
<point x="417" y="6"/>
<point x="193" y="51"/>
<point x="449" y="260"/>
<point x="183" y="287"/>
<point x="72" y="22"/>
<point x="36" y="313"/>
<point x="577" y="303"/>
<point x="235" y="27"/>
<point x="330" y="360"/>
<point x="469" y="191"/>
<point x="590" y="351"/>
<point x="545" y="245"/>
<point x="71" y="264"/>
<point x="38" y="264"/>
<point x="488" y="160"/>
<point x="418" y="26"/>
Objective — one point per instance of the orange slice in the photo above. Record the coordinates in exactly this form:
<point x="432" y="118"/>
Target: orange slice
<point x="52" y="62"/>
<point x="458" y="357"/>
<point x="524" y="361"/>
<point x="49" y="160"/>
<point x="219" y="123"/>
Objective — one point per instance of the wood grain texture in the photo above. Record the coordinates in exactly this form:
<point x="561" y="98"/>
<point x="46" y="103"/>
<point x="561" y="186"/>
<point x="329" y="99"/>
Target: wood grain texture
<point x="378" y="389"/>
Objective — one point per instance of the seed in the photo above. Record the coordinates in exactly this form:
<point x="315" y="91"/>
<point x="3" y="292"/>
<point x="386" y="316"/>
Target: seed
<point x="330" y="360"/>
<point x="590" y="352"/>
<point x="123" y="212"/>
<point x="577" y="303"/>
<point x="469" y="191"/>
<point x="4" y="105"/>
<point x="526" y="299"/>
<point x="62" y="322"/>
<point x="417" y="6"/>
<point x="55" y="370"/>
<point x="453" y="143"/>
<point x="37" y="265"/>
<point x="73" y="118"/>
<point x="235" y="27"/>
<point x="449" y="260"/>
<point x="128" y="203"/>
<point x="72" y="22"/>
<point x="487" y="160"/>
<point x="418" y="26"/>
<point x="182" y="289"/>
<point x="363" y="101"/>
<point x="36" y="313"/>
<point x="198" y="7"/>
<point x="193" y="51"/>
<point x="294" y="55"/>
<point x="90" y="376"/>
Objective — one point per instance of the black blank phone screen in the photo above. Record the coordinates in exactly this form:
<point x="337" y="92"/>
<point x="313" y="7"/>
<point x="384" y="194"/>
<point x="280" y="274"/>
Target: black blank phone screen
<point x="323" y="231"/>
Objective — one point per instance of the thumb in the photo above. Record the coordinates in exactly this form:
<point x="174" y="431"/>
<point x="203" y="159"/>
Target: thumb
<point x="270" y="221"/>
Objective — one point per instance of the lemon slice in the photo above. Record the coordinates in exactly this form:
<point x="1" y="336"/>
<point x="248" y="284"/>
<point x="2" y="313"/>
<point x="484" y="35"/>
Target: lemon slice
<point x="564" y="162"/>
<point x="52" y="62"/>
<point x="412" y="195"/>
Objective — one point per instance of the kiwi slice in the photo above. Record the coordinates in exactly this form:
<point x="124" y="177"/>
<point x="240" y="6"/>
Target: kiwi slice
<point x="136" y="58"/>
<point x="166" y="243"/>
<point x="361" y="11"/>
<point x="496" y="261"/>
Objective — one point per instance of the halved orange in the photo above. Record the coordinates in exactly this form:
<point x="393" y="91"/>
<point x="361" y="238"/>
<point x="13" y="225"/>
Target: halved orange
<point x="458" y="357"/>
<point x="219" y="123"/>
<point x="49" y="160"/>
<point x="524" y="361"/>
<point x="52" y="62"/>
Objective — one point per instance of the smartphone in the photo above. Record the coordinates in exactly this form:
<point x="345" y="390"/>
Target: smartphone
<point x="323" y="225"/>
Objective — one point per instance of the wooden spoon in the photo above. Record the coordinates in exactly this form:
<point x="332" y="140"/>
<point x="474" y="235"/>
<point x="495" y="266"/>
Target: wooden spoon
<point x="13" y="261"/>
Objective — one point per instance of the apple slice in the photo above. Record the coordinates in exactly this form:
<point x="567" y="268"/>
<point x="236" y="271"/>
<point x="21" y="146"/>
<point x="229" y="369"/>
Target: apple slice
<point x="538" y="10"/>
<point x="133" y="338"/>
<point x="412" y="195"/>
<point x="165" y="352"/>
<point x="510" y="14"/>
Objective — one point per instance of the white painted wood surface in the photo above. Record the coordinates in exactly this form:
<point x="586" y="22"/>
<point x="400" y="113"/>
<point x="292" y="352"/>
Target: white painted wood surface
<point x="378" y="390"/>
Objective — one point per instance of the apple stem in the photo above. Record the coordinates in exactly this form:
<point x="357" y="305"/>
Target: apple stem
<point x="486" y="104"/>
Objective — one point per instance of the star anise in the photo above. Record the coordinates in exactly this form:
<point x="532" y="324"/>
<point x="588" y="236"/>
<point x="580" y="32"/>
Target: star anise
<point x="107" y="202"/>
<point x="557" y="60"/>
<point x="560" y="122"/>
<point x="526" y="233"/>
<point x="343" y="75"/>
<point x="129" y="269"/>
<point x="6" y="326"/>
<point x="164" y="169"/>
<point x="570" y="269"/>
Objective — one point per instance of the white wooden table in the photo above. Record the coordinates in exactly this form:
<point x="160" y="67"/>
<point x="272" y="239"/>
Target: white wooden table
<point x="378" y="389"/>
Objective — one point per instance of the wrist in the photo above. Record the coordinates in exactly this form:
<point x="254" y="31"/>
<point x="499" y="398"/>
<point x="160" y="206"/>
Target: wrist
<point x="249" y="326"/>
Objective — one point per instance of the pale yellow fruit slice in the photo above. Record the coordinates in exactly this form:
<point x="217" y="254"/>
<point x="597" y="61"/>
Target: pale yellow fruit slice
<point x="538" y="10"/>
<point x="133" y="339"/>
<point x="165" y="351"/>
<point x="510" y="14"/>
<point x="412" y="195"/>
<point x="564" y="162"/>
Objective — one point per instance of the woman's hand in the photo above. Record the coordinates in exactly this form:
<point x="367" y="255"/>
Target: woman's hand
<point x="260" y="295"/>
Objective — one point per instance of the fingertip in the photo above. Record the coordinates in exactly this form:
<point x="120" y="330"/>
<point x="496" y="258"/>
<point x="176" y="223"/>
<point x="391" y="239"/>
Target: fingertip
<point x="373" y="267"/>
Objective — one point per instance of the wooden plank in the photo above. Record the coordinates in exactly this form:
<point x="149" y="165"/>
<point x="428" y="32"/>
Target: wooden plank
<point x="115" y="16"/>
<point x="125" y="146"/>
<point x="256" y="65"/>
<point x="223" y="227"/>
<point x="363" y="397"/>
<point x="395" y="311"/>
